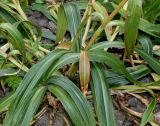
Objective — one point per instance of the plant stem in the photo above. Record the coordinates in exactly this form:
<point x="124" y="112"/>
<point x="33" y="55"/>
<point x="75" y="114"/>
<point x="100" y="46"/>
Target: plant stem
<point x="87" y="27"/>
<point x="104" y="23"/>
<point x="19" y="9"/>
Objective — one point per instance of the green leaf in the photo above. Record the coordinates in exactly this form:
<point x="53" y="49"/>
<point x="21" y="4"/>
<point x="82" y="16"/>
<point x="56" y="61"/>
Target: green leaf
<point x="48" y="34"/>
<point x="14" y="36"/>
<point x="33" y="106"/>
<point x="149" y="28"/>
<point x="39" y="1"/>
<point x="74" y="20"/>
<point x="9" y="15"/>
<point x="23" y="93"/>
<point x="102" y="99"/>
<point x="154" y="64"/>
<point x="106" y="45"/>
<point x="100" y="9"/>
<point x="9" y="72"/>
<point x="146" y="44"/>
<point x="112" y="61"/>
<point x="37" y="74"/>
<point x="144" y="25"/>
<point x="6" y="13"/>
<point x="79" y="31"/>
<point x="6" y="101"/>
<point x="43" y="8"/>
<point x="151" y="10"/>
<point x="72" y="100"/>
<point x="61" y="24"/>
<point x="63" y="60"/>
<point x="115" y="79"/>
<point x="131" y="25"/>
<point x="31" y="28"/>
<point x="82" y="4"/>
<point x="148" y="114"/>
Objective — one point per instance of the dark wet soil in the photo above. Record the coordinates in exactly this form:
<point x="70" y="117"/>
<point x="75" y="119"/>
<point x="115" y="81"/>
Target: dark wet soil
<point x="51" y="118"/>
<point x="46" y="25"/>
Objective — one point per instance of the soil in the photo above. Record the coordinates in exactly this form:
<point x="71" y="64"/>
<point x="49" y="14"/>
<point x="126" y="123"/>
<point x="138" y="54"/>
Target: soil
<point x="40" y="20"/>
<point x="53" y="118"/>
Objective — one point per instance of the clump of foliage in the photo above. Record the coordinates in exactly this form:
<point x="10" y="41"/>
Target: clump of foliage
<point x="97" y="29"/>
<point x="13" y="81"/>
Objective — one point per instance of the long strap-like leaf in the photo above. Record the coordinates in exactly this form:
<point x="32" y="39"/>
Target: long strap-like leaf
<point x="14" y="36"/>
<point x="112" y="61"/>
<point x="153" y="63"/>
<point x="106" y="45"/>
<point x="102" y="99"/>
<point x="131" y="25"/>
<point x="33" y="106"/>
<point x="73" y="101"/>
<point x="74" y="20"/>
<point x="35" y="76"/>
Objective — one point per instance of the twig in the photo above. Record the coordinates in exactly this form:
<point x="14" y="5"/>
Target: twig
<point x="38" y="115"/>
<point x="143" y="100"/>
<point x="137" y="114"/>
<point x="86" y="32"/>
<point x="104" y="23"/>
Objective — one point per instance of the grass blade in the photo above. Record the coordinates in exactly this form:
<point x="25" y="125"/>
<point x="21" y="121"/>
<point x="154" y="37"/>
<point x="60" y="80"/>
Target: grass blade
<point x="131" y="25"/>
<point x="5" y="102"/>
<point x="33" y="106"/>
<point x="101" y="93"/>
<point x="146" y="44"/>
<point x="8" y="14"/>
<point x="151" y="11"/>
<point x="61" y="24"/>
<point x="100" y="9"/>
<point x="106" y="45"/>
<point x="112" y="61"/>
<point x="154" y="64"/>
<point x="148" y="114"/>
<point x="74" y="19"/>
<point x="73" y="101"/>
<point x="9" y="72"/>
<point x="149" y="28"/>
<point x="14" y="36"/>
<point x="144" y="25"/>
<point x="63" y="60"/>
<point x="115" y="79"/>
